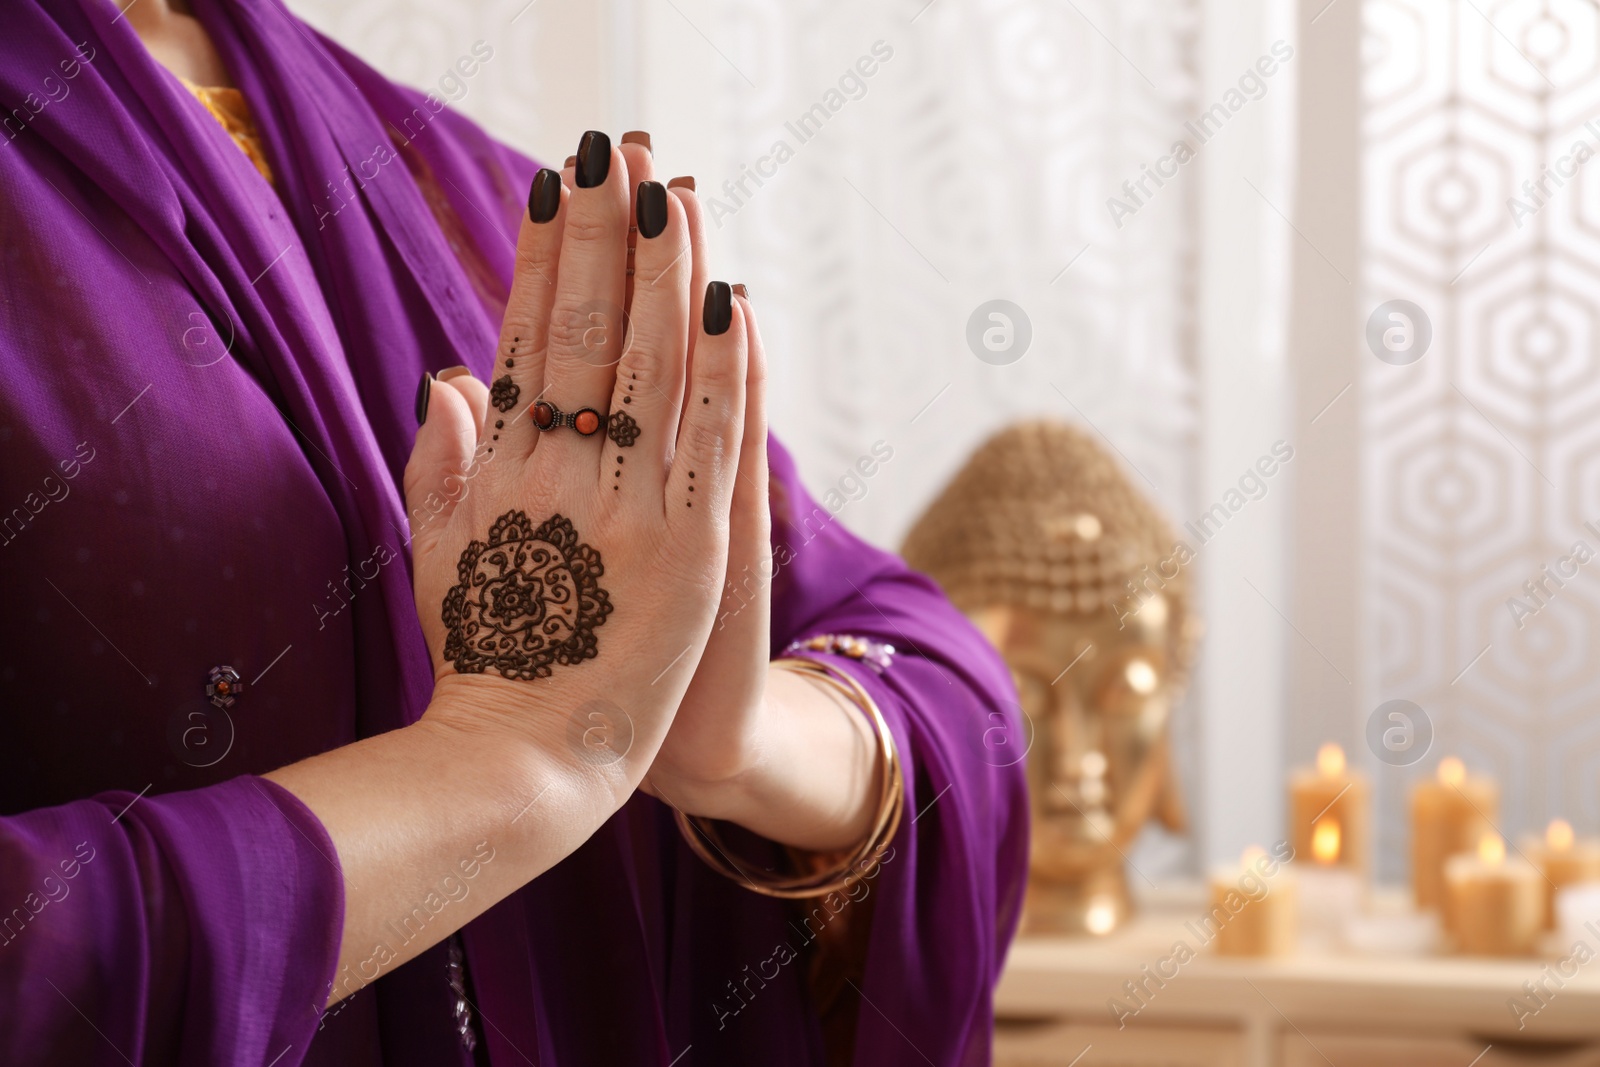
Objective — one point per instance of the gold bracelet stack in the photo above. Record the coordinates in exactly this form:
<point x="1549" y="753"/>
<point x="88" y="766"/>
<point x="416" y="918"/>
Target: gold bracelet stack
<point x="703" y="838"/>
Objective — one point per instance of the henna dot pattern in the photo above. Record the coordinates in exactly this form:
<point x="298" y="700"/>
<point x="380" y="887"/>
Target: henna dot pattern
<point x="504" y="392"/>
<point x="528" y="599"/>
<point x="623" y="430"/>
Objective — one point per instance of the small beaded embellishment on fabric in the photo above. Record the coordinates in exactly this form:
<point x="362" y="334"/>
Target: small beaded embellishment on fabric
<point x="456" y="978"/>
<point x="875" y="654"/>
<point x="223" y="685"/>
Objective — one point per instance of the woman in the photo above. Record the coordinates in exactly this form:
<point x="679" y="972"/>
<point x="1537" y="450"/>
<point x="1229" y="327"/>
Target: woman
<point x="311" y="667"/>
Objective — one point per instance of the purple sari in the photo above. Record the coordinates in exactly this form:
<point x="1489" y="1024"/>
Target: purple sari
<point x="207" y="406"/>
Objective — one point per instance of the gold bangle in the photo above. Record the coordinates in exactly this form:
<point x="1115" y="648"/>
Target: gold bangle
<point x="703" y="839"/>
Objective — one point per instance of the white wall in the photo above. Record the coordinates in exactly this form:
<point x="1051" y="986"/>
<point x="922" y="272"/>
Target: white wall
<point x="977" y="165"/>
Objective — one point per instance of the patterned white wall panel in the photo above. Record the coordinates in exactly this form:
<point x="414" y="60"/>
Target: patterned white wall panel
<point x="1483" y="457"/>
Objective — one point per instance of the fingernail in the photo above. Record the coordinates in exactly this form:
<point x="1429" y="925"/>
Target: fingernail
<point x="570" y="164"/>
<point x="652" y="209"/>
<point x="424" y="391"/>
<point x="594" y="159"/>
<point x="684" y="182"/>
<point x="456" y="372"/>
<point x="544" y="195"/>
<point x="741" y="290"/>
<point x="719" y="308"/>
<point x="638" y="137"/>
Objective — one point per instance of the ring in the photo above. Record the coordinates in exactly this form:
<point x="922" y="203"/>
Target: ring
<point x="546" y="416"/>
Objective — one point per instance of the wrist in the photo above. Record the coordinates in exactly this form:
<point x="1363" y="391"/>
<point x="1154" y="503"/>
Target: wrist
<point x="525" y="750"/>
<point x="730" y="784"/>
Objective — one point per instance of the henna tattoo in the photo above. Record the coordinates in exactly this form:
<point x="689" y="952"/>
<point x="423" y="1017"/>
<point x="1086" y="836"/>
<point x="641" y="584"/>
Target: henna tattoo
<point x="623" y="430"/>
<point x="504" y="393"/>
<point x="527" y="599"/>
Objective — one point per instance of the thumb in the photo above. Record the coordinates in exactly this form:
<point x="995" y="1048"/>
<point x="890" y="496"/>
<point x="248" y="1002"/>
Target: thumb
<point x="443" y="458"/>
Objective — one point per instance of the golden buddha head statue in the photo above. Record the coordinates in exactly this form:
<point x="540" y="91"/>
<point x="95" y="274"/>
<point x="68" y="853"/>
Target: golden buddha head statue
<point x="1079" y="582"/>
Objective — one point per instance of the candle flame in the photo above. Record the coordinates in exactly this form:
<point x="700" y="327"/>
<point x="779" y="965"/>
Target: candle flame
<point x="1251" y="854"/>
<point x="1492" y="849"/>
<point x="1330" y="760"/>
<point x="1558" y="835"/>
<point x="1452" y="771"/>
<point x="1101" y="918"/>
<point x="1325" y="841"/>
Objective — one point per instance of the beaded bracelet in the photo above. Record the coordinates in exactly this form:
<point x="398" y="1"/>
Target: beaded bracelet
<point x="874" y="654"/>
<point x="699" y="832"/>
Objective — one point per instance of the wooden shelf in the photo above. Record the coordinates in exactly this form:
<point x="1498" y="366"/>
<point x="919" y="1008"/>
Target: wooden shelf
<point x="1261" y="1013"/>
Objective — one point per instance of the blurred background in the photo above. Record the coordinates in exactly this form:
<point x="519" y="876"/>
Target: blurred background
<point x="1361" y="231"/>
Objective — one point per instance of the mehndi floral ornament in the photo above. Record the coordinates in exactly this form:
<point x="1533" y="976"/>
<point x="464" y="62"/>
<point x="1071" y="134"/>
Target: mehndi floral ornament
<point x="503" y="394"/>
<point x="528" y="600"/>
<point x="622" y="429"/>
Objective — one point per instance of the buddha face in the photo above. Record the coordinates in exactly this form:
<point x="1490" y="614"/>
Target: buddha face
<point x="1098" y="697"/>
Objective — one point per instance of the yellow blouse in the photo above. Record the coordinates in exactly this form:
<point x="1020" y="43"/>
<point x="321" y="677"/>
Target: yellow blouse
<point x="227" y="106"/>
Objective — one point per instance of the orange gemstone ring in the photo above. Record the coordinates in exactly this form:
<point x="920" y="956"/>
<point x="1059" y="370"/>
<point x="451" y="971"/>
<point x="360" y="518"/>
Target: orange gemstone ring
<point x="546" y="416"/>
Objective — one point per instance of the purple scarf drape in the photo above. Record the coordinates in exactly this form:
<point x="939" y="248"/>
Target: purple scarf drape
<point x="206" y="412"/>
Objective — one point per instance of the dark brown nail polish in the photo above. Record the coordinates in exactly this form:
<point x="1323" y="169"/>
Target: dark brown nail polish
<point x="638" y="137"/>
<point x="741" y="290"/>
<point x="594" y="159"/>
<point x="424" y="392"/>
<point x="684" y="182"/>
<point x="570" y="164"/>
<point x="462" y="371"/>
<point x="544" y="195"/>
<point x="652" y="209"/>
<point x="719" y="309"/>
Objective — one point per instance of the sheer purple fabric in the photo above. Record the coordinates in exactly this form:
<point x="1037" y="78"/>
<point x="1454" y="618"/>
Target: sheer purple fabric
<point x="207" y="406"/>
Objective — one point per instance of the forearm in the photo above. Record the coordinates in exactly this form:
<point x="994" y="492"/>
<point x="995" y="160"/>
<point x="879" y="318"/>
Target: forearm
<point x="434" y="824"/>
<point x="812" y="779"/>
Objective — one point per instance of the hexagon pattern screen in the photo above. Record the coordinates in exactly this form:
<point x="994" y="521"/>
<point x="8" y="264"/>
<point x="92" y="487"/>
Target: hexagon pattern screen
<point x="1482" y="457"/>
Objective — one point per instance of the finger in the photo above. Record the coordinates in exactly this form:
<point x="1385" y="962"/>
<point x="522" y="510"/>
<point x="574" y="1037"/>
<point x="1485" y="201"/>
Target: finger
<point x="442" y="458"/>
<point x="750" y="521"/>
<point x="636" y="152"/>
<point x="518" y="374"/>
<point x="683" y="189"/>
<point x="648" y="394"/>
<point x="707" y="458"/>
<point x="476" y="392"/>
<point x="586" y="320"/>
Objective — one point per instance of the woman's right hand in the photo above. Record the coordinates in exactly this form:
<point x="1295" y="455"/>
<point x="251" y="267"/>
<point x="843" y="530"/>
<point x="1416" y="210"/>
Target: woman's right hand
<point x="567" y="584"/>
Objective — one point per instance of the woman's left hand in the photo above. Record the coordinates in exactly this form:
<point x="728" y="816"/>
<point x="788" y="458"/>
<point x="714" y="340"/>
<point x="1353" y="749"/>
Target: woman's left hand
<point x="716" y="738"/>
<point x="767" y="748"/>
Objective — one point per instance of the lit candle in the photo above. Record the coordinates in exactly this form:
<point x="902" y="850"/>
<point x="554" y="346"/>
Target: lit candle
<point x="1252" y="908"/>
<point x="1565" y="861"/>
<point x="1448" y="816"/>
<point x="1496" y="904"/>
<point x="1330" y="814"/>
